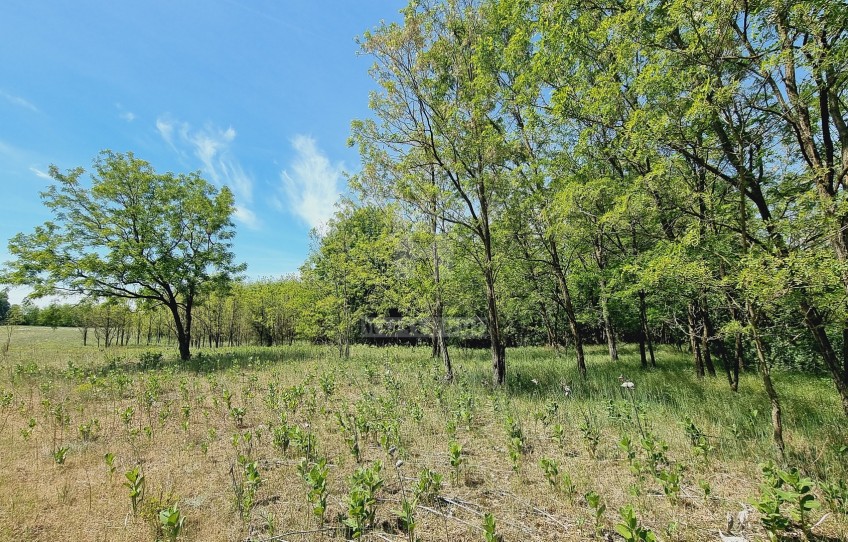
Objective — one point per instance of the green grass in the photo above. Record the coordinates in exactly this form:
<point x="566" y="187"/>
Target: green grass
<point x="193" y="445"/>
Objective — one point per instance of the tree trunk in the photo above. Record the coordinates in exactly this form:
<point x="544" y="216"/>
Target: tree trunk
<point x="439" y="329"/>
<point x="569" y="309"/>
<point x="608" y="330"/>
<point x="645" y="331"/>
<point x="440" y="346"/>
<point x="695" y="342"/>
<point x="495" y="338"/>
<point x="815" y="323"/>
<point x="183" y="331"/>
<point x="600" y="260"/>
<point x="706" y="337"/>
<point x="765" y="372"/>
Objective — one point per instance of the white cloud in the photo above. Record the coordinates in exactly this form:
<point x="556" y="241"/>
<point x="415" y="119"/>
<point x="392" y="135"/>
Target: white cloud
<point x="166" y="130"/>
<point x="40" y="174"/>
<point x="311" y="186"/>
<point x="18" y="101"/>
<point x="211" y="145"/>
<point x="123" y="114"/>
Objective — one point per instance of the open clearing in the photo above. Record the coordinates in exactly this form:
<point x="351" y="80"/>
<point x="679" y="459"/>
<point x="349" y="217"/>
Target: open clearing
<point x="223" y="439"/>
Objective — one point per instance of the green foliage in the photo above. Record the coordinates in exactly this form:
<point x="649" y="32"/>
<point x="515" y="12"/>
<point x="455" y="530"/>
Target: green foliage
<point x="246" y="482"/>
<point x="171" y="521"/>
<point x="59" y="455"/>
<point x="631" y="530"/>
<point x="551" y="469"/>
<point x="90" y="430"/>
<point x="591" y="436"/>
<point x="406" y="517"/>
<point x="835" y="493"/>
<point x="362" y="500"/>
<point x="315" y="476"/>
<point x="350" y="433"/>
<point x="135" y="484"/>
<point x="134" y="233"/>
<point x="457" y="460"/>
<point x="598" y="507"/>
<point x="282" y="435"/>
<point x="5" y="306"/>
<point x="109" y="459"/>
<point x="698" y="439"/>
<point x="785" y="500"/>
<point x="428" y="486"/>
<point x="489" y="528"/>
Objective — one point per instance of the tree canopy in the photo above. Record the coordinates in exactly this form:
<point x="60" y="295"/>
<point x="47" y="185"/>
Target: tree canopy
<point x="133" y="233"/>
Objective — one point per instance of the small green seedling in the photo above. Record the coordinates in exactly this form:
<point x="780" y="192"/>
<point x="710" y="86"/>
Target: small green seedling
<point x="135" y="485"/>
<point x="171" y="522"/>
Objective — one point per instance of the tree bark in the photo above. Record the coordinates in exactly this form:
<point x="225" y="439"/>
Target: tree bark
<point x="695" y="341"/>
<point x="569" y="309"/>
<point x="645" y="332"/>
<point x="765" y="373"/>
<point x="440" y="346"/>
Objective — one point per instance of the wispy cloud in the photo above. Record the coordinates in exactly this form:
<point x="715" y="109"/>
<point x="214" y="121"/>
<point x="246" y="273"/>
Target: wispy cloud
<point x="124" y="114"/>
<point x="211" y="145"/>
<point x="40" y="174"/>
<point x="311" y="183"/>
<point x="18" y="101"/>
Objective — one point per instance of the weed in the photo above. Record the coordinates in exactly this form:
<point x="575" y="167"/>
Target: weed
<point x="591" y="436"/>
<point x="315" y="476"/>
<point x="246" y="482"/>
<point x="135" y="484"/>
<point x="697" y="439"/>
<point x="238" y="413"/>
<point x="171" y="522"/>
<point x="787" y="488"/>
<point x="328" y="384"/>
<point x="457" y="460"/>
<point x="596" y="504"/>
<point x="558" y="434"/>
<point x="281" y="437"/>
<point x="835" y="495"/>
<point x="109" y="459"/>
<point x="361" y="499"/>
<point x="59" y="455"/>
<point x="670" y="479"/>
<point x="427" y="487"/>
<point x="90" y="430"/>
<point x="630" y="529"/>
<point x="489" y="527"/>
<point x="406" y="517"/>
<point x="306" y="442"/>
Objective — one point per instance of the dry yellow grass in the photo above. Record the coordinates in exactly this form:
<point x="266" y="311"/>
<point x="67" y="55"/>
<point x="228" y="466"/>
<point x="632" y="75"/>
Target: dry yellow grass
<point x="187" y="439"/>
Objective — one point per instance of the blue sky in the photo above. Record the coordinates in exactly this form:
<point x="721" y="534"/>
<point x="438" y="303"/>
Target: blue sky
<point x="257" y="95"/>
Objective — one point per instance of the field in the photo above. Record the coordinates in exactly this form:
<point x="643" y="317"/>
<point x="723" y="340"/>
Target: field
<point x="390" y="447"/>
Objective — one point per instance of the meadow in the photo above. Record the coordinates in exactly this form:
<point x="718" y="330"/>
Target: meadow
<point x="293" y="443"/>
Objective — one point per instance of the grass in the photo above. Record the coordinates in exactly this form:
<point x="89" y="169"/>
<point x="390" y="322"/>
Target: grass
<point x="204" y="433"/>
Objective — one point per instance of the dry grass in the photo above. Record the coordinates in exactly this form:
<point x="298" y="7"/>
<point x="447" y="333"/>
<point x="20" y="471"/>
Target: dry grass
<point x="186" y="440"/>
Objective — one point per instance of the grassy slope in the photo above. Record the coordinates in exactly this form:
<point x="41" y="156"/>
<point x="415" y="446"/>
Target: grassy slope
<point x="182" y="433"/>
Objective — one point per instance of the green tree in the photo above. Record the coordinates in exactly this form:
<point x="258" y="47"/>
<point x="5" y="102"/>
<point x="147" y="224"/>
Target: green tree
<point x="350" y="270"/>
<point x="134" y="234"/>
<point x="436" y="141"/>
<point x="4" y="304"/>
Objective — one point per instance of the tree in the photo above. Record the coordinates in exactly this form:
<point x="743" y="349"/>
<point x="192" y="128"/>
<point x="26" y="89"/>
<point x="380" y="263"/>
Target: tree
<point x="350" y="270"/>
<point x="4" y="304"/>
<point x="134" y="234"/>
<point x="436" y="138"/>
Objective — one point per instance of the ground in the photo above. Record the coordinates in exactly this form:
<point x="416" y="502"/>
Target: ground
<point x="248" y="444"/>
